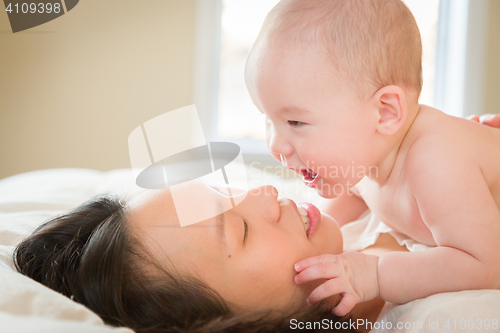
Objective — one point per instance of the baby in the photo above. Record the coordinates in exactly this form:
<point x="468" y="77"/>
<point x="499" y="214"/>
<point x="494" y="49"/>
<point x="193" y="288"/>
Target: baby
<point x="339" y="82"/>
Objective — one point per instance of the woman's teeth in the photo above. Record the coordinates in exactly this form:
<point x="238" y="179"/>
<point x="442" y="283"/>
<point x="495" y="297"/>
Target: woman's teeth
<point x="305" y="218"/>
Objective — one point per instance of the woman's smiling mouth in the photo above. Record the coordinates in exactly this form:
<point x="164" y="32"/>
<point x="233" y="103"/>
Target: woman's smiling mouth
<point x="304" y="217"/>
<point x="313" y="216"/>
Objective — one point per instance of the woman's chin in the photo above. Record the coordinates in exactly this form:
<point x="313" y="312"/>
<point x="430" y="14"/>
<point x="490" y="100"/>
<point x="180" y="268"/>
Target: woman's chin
<point x="331" y="231"/>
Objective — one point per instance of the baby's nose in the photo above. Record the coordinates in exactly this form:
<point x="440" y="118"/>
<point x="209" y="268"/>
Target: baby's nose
<point x="277" y="145"/>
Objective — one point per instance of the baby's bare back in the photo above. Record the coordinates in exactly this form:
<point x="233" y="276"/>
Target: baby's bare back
<point x="437" y="145"/>
<point x="442" y="191"/>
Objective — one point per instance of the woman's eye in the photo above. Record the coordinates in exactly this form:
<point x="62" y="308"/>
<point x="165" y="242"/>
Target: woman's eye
<point x="295" y="123"/>
<point x="246" y="231"/>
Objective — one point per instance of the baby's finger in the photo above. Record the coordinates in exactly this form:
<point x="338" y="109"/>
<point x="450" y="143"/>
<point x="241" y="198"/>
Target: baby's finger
<point x="473" y="118"/>
<point x="324" y="258"/>
<point x="346" y="304"/>
<point x="491" y="120"/>
<point x="329" y="288"/>
<point x="327" y="270"/>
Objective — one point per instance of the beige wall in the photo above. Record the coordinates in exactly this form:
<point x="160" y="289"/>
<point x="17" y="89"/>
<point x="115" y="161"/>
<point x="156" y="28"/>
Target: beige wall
<point x="492" y="93"/>
<point x="72" y="90"/>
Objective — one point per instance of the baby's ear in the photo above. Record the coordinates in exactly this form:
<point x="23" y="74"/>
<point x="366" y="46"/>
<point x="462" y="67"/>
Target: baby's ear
<point x="390" y="105"/>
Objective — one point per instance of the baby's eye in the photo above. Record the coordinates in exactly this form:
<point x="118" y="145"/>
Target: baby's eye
<point x="295" y="123"/>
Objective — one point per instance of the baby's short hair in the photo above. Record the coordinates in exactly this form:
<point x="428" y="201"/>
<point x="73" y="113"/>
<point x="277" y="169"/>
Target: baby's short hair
<point x="373" y="43"/>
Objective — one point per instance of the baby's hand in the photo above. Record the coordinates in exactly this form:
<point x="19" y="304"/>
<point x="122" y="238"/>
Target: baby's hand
<point x="351" y="274"/>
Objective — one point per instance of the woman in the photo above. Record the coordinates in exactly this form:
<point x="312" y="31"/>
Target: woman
<point x="135" y="266"/>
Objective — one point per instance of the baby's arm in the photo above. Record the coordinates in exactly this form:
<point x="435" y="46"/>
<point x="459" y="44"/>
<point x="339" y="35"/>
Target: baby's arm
<point x="456" y="205"/>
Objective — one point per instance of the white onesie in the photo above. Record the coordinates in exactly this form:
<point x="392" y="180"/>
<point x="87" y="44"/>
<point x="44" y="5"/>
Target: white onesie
<point x="364" y="232"/>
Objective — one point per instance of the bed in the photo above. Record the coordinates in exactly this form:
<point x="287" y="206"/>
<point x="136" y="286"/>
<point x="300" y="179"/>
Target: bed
<point x="27" y="200"/>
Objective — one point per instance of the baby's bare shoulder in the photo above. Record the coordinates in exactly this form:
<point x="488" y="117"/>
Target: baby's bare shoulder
<point x="433" y="137"/>
<point x="460" y="133"/>
<point x="443" y="144"/>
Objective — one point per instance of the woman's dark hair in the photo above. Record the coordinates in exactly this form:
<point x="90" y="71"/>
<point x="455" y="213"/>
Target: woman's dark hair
<point x="91" y="255"/>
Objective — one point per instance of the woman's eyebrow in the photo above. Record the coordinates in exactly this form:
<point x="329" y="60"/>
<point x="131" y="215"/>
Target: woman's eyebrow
<point x="221" y="229"/>
<point x="220" y="220"/>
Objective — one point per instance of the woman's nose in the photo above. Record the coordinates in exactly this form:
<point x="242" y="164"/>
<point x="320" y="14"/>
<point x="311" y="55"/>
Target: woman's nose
<point x="267" y="191"/>
<point x="266" y="201"/>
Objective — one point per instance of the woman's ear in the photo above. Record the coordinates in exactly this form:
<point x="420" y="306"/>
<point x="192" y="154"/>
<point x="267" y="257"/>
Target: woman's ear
<point x="390" y="105"/>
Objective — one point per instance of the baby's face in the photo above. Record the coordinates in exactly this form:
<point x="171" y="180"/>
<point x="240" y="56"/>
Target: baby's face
<point x="314" y="125"/>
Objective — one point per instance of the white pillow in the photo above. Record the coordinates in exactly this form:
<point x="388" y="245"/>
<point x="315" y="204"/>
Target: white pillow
<point x="27" y="306"/>
<point x="26" y="201"/>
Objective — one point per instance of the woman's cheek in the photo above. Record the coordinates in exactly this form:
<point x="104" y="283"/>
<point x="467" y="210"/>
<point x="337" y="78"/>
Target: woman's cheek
<point x="331" y="240"/>
<point x="274" y="256"/>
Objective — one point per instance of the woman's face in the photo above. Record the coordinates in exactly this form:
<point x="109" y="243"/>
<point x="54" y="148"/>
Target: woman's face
<point x="252" y="272"/>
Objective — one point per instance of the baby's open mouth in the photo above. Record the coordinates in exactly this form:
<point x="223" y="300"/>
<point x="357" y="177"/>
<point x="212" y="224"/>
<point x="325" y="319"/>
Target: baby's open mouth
<point x="309" y="175"/>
